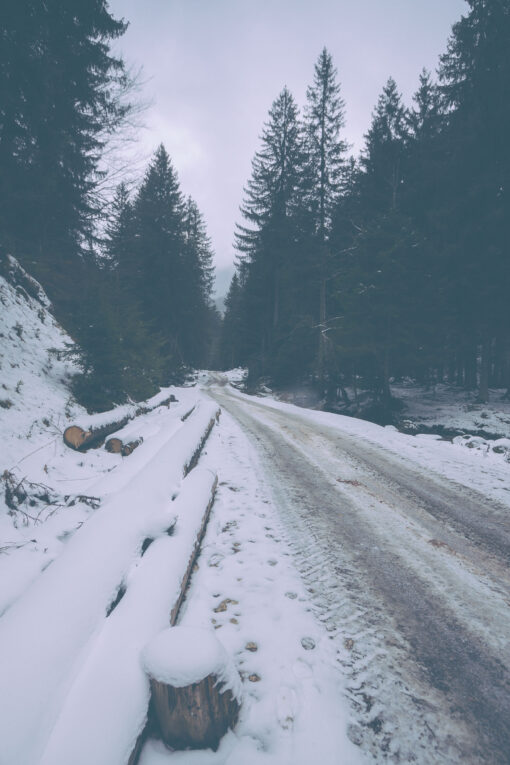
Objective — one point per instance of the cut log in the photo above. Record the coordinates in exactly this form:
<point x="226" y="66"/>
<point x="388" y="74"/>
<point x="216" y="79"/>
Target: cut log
<point x="195" y="689"/>
<point x="114" y="445"/>
<point x="75" y="437"/>
<point x="79" y="439"/>
<point x="129" y="448"/>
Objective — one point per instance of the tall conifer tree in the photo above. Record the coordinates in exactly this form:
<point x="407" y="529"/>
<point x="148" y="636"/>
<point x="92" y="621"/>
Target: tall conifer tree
<point x="326" y="149"/>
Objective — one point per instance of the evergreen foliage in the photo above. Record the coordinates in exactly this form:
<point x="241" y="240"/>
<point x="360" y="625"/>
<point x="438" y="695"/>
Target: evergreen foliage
<point x="61" y="98"/>
<point x="400" y="259"/>
<point x="135" y="294"/>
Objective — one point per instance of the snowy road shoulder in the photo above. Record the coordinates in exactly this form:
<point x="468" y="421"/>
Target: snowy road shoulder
<point x="247" y="589"/>
<point x="482" y="470"/>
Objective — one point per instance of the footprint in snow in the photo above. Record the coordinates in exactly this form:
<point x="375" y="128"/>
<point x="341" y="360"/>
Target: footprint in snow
<point x="286" y="707"/>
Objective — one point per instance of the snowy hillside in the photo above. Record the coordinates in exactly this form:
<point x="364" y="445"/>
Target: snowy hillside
<point x="47" y="491"/>
<point x="34" y="376"/>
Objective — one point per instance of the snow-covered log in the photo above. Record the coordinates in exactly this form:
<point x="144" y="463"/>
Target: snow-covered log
<point x="194" y="687"/>
<point x="105" y="709"/>
<point x="113" y="445"/>
<point x="46" y="634"/>
<point x="116" y="446"/>
<point x="86" y="435"/>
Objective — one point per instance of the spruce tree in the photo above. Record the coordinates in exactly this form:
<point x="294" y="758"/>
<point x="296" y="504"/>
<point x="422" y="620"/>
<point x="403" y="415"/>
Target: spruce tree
<point x="384" y="155"/>
<point x="61" y="99"/>
<point x="231" y="342"/>
<point x="268" y="242"/>
<point x="197" y="320"/>
<point x="326" y="149"/>
<point x="158" y="211"/>
<point x="475" y="77"/>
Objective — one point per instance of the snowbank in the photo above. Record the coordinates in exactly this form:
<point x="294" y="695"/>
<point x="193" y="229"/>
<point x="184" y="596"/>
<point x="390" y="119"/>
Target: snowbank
<point x="106" y="708"/>
<point x="46" y="634"/>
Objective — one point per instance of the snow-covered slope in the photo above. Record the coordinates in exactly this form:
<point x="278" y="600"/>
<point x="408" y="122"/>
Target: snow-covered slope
<point x="47" y="491"/>
<point x="34" y="376"/>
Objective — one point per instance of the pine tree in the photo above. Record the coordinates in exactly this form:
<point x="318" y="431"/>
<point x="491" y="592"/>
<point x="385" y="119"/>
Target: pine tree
<point x="383" y="158"/>
<point x="119" y="238"/>
<point x="268" y="242"/>
<point x="61" y="98"/>
<point x="197" y="320"/>
<point x="158" y="277"/>
<point x="231" y="343"/>
<point x="475" y="76"/>
<point x="324" y="120"/>
<point x="377" y="276"/>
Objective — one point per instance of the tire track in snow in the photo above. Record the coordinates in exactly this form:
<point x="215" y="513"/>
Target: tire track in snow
<point x="423" y="687"/>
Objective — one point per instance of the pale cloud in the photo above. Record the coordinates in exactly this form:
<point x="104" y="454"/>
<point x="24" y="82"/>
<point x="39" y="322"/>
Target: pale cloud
<point x="213" y="68"/>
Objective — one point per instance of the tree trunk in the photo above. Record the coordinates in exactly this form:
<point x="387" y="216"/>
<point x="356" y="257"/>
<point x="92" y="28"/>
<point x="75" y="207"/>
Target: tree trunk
<point x="322" y="331"/>
<point x="470" y="368"/>
<point x="276" y="302"/>
<point x="386" y="390"/>
<point x="483" y="391"/>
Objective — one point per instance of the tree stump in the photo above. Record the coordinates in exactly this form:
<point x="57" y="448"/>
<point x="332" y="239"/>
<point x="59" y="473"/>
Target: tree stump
<point x="195" y="688"/>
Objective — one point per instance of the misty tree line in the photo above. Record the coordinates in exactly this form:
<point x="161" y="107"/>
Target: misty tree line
<point x="131" y="284"/>
<point x="356" y="271"/>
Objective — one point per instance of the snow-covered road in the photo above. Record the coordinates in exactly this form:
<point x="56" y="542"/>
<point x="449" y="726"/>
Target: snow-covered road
<point x="409" y="571"/>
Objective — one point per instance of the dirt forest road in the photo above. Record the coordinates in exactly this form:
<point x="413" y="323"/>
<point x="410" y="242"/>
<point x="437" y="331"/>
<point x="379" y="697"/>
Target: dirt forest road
<point x="410" y="574"/>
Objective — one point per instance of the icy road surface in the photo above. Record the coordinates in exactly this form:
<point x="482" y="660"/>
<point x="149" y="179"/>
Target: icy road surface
<point x="408" y="570"/>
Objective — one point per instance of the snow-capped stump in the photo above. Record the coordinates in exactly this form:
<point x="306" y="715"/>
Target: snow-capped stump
<point x="195" y="688"/>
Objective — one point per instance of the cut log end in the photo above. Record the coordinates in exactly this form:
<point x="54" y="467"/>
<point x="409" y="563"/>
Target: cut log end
<point x="113" y="445"/>
<point x="194" y="688"/>
<point x="75" y="437"/>
<point x="116" y="446"/>
<point x="129" y="448"/>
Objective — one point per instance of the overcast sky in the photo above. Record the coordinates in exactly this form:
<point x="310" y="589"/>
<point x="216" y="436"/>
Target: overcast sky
<point x="212" y="68"/>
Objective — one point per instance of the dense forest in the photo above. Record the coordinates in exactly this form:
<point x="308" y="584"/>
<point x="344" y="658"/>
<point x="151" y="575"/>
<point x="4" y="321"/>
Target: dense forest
<point x="353" y="272"/>
<point x="129" y="274"/>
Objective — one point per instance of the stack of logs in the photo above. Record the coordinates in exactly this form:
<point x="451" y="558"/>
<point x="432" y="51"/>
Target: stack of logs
<point x="75" y="437"/>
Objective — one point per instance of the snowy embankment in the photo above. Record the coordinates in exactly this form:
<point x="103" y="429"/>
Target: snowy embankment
<point x="71" y="632"/>
<point x="45" y="633"/>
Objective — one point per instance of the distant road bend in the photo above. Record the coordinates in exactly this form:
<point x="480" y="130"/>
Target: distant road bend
<point x="410" y="574"/>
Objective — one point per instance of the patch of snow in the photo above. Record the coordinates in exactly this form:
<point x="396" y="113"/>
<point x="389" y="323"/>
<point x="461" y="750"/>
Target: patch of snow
<point x="181" y="656"/>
